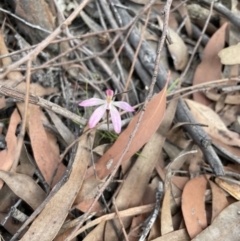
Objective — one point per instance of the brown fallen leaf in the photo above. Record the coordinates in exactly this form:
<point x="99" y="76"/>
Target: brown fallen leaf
<point x="50" y="140"/>
<point x="46" y="159"/>
<point x="24" y="187"/>
<point x="225" y="227"/>
<point x="180" y="182"/>
<point x="219" y="200"/>
<point x="7" y="155"/>
<point x="57" y="209"/>
<point x="193" y="205"/>
<point x="210" y="67"/>
<point x="216" y="127"/>
<point x="166" y="216"/>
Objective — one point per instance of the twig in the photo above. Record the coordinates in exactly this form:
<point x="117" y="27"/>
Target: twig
<point x="220" y="8"/>
<point x="198" y="43"/>
<point x="34" y="99"/>
<point x="24" y="119"/>
<point x="107" y="217"/>
<point x="120" y="220"/>
<point x="145" y="8"/>
<point x="136" y="53"/>
<point x="214" y="84"/>
<point x="104" y="25"/>
<point x="25" y="22"/>
<point x="159" y="195"/>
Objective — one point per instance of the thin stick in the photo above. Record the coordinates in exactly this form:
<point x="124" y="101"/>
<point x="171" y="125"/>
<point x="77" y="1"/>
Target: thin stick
<point x="125" y="213"/>
<point x="24" y="119"/>
<point x="36" y="100"/>
<point x="25" y="22"/>
<point x="136" y="53"/>
<point x="120" y="220"/>
<point x="198" y="42"/>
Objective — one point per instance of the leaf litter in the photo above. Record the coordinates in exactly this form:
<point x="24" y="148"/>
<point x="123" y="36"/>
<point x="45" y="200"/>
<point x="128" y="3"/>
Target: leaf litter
<point x="53" y="169"/>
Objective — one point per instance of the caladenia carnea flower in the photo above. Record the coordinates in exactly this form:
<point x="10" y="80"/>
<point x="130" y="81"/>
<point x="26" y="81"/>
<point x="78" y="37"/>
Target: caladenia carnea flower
<point x="106" y="106"/>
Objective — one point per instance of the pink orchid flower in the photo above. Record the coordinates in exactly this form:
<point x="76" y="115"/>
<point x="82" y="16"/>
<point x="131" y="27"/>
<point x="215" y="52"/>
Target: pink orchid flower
<point x="107" y="105"/>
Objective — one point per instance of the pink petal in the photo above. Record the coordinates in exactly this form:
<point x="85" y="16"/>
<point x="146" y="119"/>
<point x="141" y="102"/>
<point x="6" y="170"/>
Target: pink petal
<point x="116" y="119"/>
<point x="96" y="116"/>
<point x="92" y="102"/>
<point x="109" y="93"/>
<point x="123" y="105"/>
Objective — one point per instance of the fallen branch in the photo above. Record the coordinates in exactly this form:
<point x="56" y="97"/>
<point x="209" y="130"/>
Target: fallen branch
<point x="36" y="100"/>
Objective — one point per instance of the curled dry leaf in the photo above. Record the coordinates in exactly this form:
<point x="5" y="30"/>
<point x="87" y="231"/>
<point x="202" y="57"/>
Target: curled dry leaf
<point x="24" y="187"/>
<point x="216" y="127"/>
<point x="177" y="49"/>
<point x="193" y="205"/>
<point x="229" y="187"/>
<point x="230" y="55"/>
<point x="225" y="227"/>
<point x="210" y="67"/>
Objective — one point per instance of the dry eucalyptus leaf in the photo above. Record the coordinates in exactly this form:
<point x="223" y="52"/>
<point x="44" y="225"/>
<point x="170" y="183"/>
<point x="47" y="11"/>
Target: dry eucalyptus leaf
<point x="229" y="187"/>
<point x="219" y="200"/>
<point x="225" y="227"/>
<point x="216" y="128"/>
<point x="24" y="187"/>
<point x="193" y="205"/>
<point x="177" y="49"/>
<point x="166" y="217"/>
<point x="230" y="55"/>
